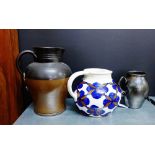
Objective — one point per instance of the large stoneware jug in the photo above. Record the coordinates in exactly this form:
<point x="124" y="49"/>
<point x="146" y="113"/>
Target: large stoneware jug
<point x="97" y="95"/>
<point x="46" y="79"/>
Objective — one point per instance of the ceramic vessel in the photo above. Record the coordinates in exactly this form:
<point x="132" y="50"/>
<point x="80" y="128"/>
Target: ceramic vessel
<point x="97" y="95"/>
<point x="46" y="79"/>
<point x="136" y="88"/>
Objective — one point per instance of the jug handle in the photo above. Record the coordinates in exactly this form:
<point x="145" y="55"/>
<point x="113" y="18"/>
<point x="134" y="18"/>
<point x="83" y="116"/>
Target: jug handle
<point x="70" y="83"/>
<point x="119" y="83"/>
<point x="19" y="57"/>
<point x="124" y="92"/>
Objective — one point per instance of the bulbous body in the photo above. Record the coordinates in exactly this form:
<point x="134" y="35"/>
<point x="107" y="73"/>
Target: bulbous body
<point x="97" y="95"/>
<point x="46" y="79"/>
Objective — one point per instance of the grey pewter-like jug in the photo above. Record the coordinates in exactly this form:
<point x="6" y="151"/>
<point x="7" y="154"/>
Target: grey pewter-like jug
<point x="46" y="79"/>
<point x="136" y="90"/>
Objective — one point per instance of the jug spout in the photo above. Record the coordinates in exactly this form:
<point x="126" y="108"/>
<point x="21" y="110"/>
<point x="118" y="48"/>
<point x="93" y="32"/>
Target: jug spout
<point x="97" y="74"/>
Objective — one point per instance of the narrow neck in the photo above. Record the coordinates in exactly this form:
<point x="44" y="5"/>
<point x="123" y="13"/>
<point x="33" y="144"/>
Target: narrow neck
<point x="101" y="78"/>
<point x="48" y="58"/>
<point x="48" y="54"/>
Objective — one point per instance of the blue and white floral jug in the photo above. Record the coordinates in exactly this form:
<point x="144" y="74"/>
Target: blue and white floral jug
<point x="97" y="95"/>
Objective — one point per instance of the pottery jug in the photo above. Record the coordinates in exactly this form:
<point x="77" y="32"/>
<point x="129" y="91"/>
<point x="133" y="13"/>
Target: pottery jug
<point x="136" y="88"/>
<point x="97" y="95"/>
<point x="46" y="79"/>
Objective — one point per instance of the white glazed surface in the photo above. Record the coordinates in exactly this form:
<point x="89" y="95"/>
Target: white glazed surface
<point x="91" y="76"/>
<point x="98" y="102"/>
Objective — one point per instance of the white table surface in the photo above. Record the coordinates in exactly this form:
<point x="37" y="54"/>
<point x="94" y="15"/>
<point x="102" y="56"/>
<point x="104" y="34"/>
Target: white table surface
<point x="72" y="116"/>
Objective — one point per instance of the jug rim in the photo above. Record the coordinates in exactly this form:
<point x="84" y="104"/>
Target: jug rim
<point x="136" y="73"/>
<point x="48" y="48"/>
<point x="97" y="71"/>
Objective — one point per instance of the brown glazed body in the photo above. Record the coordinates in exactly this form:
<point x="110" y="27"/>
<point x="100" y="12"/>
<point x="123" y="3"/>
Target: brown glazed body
<point x="46" y="79"/>
<point x="48" y="95"/>
<point x="137" y="89"/>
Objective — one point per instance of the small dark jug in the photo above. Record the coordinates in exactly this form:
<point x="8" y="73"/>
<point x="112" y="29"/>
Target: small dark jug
<point x="136" y="88"/>
<point x="46" y="79"/>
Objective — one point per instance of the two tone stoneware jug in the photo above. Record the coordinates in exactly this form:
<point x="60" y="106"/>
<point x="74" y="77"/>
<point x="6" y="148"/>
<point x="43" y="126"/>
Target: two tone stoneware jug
<point x="46" y="79"/>
<point x="97" y="95"/>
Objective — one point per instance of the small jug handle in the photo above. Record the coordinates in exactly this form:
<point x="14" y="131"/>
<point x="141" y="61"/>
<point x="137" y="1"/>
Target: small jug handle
<point x="70" y="83"/>
<point x="119" y="83"/>
<point x="19" y="59"/>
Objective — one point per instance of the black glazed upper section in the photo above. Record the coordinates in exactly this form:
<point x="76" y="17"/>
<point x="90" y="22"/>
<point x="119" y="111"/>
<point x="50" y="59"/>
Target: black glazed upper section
<point x="47" y="71"/>
<point x="47" y="65"/>
<point x="48" y="54"/>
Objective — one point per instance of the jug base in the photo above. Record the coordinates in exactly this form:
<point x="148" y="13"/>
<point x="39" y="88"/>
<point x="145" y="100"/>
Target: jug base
<point x="49" y="114"/>
<point x="93" y="116"/>
<point x="135" y="107"/>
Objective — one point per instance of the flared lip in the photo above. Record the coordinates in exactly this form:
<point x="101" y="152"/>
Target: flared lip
<point x="42" y="48"/>
<point x="97" y="71"/>
<point x="136" y="73"/>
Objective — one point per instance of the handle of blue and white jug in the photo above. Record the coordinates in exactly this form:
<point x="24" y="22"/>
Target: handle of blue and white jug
<point x="123" y="91"/>
<point x="119" y="83"/>
<point x="19" y="57"/>
<point x="70" y="83"/>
